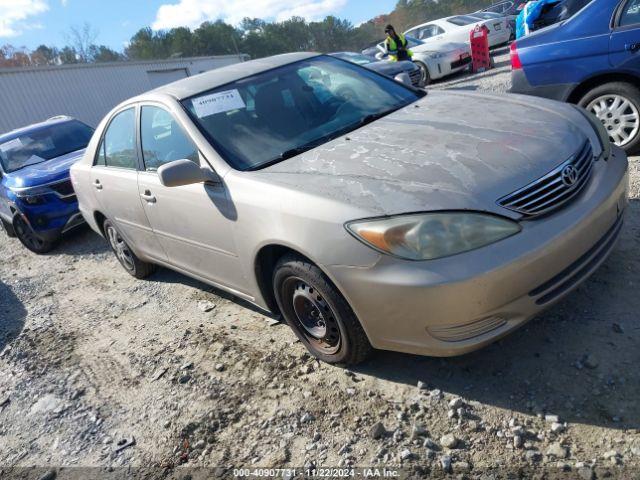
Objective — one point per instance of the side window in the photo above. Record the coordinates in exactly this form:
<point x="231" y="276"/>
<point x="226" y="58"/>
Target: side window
<point x="118" y="147"/>
<point x="630" y="13"/>
<point x="426" y="32"/>
<point x="163" y="140"/>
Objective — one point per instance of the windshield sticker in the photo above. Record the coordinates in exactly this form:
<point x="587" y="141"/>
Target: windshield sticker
<point x="215" y="103"/>
<point x="11" y="145"/>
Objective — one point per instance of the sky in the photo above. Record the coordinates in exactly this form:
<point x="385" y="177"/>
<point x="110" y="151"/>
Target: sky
<point x="30" y="23"/>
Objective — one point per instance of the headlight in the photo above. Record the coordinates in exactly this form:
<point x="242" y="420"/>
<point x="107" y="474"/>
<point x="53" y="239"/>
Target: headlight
<point x="436" y="55"/>
<point x="32" y="196"/>
<point x="603" y="135"/>
<point x="432" y="235"/>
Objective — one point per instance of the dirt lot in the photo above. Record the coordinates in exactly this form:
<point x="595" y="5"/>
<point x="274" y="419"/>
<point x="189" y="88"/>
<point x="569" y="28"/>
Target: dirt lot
<point x="98" y="369"/>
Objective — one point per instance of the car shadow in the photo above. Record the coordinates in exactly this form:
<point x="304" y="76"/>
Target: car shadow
<point x="12" y="316"/>
<point x="165" y="275"/>
<point x="81" y="241"/>
<point x="577" y="360"/>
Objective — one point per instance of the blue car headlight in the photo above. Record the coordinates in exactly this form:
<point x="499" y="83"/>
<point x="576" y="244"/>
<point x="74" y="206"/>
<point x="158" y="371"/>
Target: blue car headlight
<point x="32" y="196"/>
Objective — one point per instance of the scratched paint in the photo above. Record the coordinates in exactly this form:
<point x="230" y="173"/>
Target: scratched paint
<point x="451" y="150"/>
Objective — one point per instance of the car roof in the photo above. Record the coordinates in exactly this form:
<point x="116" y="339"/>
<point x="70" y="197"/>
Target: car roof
<point x="34" y="127"/>
<point x="191" y="86"/>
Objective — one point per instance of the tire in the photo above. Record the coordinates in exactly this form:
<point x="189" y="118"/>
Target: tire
<point x="129" y="261"/>
<point x="29" y="238"/>
<point x="601" y="101"/>
<point x="318" y="314"/>
<point x="8" y="228"/>
<point x="426" y="76"/>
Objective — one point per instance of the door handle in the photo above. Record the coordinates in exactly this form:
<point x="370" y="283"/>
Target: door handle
<point x="97" y="184"/>
<point x="147" y="197"/>
<point x="633" y="47"/>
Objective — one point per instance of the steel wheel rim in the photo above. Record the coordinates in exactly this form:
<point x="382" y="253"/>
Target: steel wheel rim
<point x="619" y="116"/>
<point x="314" y="318"/>
<point x="121" y="249"/>
<point x="27" y="235"/>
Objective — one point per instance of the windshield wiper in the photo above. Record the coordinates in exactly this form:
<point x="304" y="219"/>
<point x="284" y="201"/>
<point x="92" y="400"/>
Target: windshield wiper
<point x="293" y="152"/>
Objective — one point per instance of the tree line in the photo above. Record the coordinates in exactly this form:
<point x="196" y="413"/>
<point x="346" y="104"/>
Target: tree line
<point x="252" y="36"/>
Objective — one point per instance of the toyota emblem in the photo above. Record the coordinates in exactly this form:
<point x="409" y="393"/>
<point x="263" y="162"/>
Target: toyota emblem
<point x="569" y="175"/>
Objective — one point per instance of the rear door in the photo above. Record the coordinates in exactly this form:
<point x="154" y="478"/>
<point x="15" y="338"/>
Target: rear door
<point x="624" y="47"/>
<point x="114" y="179"/>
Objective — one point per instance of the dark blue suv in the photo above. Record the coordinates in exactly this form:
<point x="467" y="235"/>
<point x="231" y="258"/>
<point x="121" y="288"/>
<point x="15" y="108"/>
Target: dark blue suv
<point x="37" y="201"/>
<point x="593" y="60"/>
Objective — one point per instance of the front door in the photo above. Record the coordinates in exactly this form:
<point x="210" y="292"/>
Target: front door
<point x="624" y="48"/>
<point x="114" y="178"/>
<point x="193" y="222"/>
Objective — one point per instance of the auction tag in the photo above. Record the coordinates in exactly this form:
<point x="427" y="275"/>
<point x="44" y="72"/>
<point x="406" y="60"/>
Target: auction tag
<point x="11" y="145"/>
<point x="215" y="103"/>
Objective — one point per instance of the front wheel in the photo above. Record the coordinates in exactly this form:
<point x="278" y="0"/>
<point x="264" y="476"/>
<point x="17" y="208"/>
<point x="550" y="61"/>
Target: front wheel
<point x="29" y="238"/>
<point x="617" y="106"/>
<point x="425" y="78"/>
<point x="318" y="314"/>
<point x="129" y="261"/>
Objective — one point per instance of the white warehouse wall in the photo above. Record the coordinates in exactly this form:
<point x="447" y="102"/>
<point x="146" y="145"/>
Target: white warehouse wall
<point x="88" y="92"/>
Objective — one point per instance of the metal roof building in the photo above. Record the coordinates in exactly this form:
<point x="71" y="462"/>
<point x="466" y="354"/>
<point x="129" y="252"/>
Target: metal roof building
<point x="88" y="91"/>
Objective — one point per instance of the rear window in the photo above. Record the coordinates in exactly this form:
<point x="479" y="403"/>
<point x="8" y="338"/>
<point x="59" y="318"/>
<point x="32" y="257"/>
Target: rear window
<point x="42" y="144"/>
<point x="462" y="20"/>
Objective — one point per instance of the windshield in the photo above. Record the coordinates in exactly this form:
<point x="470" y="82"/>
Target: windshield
<point x="42" y="144"/>
<point x="356" y="58"/>
<point x="266" y="118"/>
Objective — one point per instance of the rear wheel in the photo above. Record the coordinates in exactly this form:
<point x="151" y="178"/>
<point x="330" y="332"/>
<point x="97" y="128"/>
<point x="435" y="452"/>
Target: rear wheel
<point x="8" y="228"/>
<point x="29" y="238"/>
<point x="129" y="261"/>
<point x="426" y="77"/>
<point x="318" y="314"/>
<point x="617" y="106"/>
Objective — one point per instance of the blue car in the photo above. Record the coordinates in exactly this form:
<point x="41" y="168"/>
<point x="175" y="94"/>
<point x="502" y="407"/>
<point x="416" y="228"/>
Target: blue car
<point x="37" y="201"/>
<point x="592" y="60"/>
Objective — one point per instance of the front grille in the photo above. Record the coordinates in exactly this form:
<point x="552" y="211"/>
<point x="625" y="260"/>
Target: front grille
<point x="461" y="63"/>
<point x="460" y="333"/>
<point x="63" y="189"/>
<point x="580" y="269"/>
<point x="552" y="191"/>
<point x="416" y="77"/>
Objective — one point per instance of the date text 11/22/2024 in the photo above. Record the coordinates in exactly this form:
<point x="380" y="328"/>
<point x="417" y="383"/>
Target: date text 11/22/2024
<point x="289" y="473"/>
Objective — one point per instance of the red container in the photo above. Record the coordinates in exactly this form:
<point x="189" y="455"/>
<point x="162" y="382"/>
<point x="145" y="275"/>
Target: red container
<point x="480" y="55"/>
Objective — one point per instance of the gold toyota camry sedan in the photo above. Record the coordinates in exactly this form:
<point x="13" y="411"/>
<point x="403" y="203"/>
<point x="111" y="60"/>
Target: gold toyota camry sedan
<point x="366" y="212"/>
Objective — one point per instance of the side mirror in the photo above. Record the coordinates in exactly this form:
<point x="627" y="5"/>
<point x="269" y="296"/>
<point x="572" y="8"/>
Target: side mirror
<point x="185" y="172"/>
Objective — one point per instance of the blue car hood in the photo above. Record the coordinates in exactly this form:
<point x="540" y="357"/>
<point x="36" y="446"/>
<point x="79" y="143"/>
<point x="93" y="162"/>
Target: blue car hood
<point x="50" y="171"/>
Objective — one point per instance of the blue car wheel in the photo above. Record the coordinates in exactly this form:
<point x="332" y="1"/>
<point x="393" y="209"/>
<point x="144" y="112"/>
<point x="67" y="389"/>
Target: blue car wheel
<point x="617" y="106"/>
<point x="29" y="238"/>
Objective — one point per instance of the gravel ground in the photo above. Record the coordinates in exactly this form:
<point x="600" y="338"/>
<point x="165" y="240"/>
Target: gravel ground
<point x="100" y="370"/>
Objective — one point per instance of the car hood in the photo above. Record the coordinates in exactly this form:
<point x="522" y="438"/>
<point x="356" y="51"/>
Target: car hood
<point x="51" y="171"/>
<point x="391" y="68"/>
<point x="447" y="151"/>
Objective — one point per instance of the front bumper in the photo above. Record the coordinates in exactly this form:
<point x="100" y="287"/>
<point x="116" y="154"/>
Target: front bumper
<point x="50" y="220"/>
<point x="520" y="84"/>
<point x="459" y="304"/>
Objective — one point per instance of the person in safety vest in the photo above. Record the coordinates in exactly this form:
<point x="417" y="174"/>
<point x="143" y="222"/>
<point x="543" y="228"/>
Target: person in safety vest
<point x="396" y="45"/>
